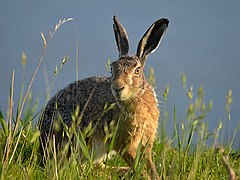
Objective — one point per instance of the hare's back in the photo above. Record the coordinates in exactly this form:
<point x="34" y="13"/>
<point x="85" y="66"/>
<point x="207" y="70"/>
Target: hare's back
<point x="90" y="95"/>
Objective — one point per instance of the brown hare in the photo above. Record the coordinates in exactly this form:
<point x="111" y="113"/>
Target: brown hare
<point x="134" y="106"/>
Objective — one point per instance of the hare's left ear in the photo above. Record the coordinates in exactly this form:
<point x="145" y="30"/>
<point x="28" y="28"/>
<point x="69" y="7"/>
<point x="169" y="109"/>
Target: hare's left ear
<point x="151" y="39"/>
<point x="121" y="37"/>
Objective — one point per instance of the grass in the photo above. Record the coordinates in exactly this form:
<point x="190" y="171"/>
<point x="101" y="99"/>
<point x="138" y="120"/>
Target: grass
<point x="185" y="155"/>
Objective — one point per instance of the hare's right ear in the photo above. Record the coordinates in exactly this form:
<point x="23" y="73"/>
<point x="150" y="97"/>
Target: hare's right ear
<point x="151" y="39"/>
<point x="121" y="37"/>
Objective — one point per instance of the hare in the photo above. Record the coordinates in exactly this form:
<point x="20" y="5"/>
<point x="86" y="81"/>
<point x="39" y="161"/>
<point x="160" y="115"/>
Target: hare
<point x="134" y="106"/>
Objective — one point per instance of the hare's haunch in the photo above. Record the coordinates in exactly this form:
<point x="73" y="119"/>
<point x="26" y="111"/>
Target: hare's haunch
<point x="125" y="102"/>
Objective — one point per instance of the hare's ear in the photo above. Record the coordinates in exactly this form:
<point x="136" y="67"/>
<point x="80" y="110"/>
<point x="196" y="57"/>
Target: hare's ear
<point x="121" y="37"/>
<point x="151" y="39"/>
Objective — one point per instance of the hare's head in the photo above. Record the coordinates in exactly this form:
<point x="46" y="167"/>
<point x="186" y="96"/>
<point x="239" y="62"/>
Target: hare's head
<point x="128" y="79"/>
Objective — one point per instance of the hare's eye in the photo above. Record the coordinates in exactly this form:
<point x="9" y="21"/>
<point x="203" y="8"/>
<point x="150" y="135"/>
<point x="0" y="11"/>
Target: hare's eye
<point x="137" y="71"/>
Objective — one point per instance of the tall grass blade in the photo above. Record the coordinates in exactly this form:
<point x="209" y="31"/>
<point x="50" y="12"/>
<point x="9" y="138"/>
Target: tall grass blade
<point x="3" y="124"/>
<point x="140" y="159"/>
<point x="83" y="145"/>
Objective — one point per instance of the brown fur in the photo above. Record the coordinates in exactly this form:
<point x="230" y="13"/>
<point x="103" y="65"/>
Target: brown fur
<point x="139" y="123"/>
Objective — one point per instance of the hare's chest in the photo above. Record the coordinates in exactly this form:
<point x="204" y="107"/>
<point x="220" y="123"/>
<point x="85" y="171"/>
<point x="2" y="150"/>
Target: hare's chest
<point x="131" y="126"/>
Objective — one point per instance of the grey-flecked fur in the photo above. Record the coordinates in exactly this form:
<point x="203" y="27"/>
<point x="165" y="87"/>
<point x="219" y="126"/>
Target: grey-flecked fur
<point x="76" y="94"/>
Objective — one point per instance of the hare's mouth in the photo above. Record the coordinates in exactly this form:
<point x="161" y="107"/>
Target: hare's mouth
<point x="120" y="93"/>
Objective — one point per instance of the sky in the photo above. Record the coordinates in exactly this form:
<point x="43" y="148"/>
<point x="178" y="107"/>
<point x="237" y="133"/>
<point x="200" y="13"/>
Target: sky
<point x="202" y="41"/>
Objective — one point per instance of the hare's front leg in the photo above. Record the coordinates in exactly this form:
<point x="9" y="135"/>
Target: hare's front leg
<point x="130" y="155"/>
<point x="151" y="167"/>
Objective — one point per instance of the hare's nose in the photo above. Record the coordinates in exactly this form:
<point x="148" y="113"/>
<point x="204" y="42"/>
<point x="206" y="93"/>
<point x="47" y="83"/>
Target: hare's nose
<point x="119" y="89"/>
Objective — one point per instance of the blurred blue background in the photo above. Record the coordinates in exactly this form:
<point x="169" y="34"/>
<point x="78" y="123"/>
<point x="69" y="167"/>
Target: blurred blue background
<point x="202" y="41"/>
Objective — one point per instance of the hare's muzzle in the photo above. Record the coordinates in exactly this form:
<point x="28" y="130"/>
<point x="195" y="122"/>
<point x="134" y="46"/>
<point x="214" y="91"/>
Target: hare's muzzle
<point x="120" y="89"/>
<point x="118" y="92"/>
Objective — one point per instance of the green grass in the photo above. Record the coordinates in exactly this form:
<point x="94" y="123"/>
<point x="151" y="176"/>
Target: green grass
<point x="185" y="155"/>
